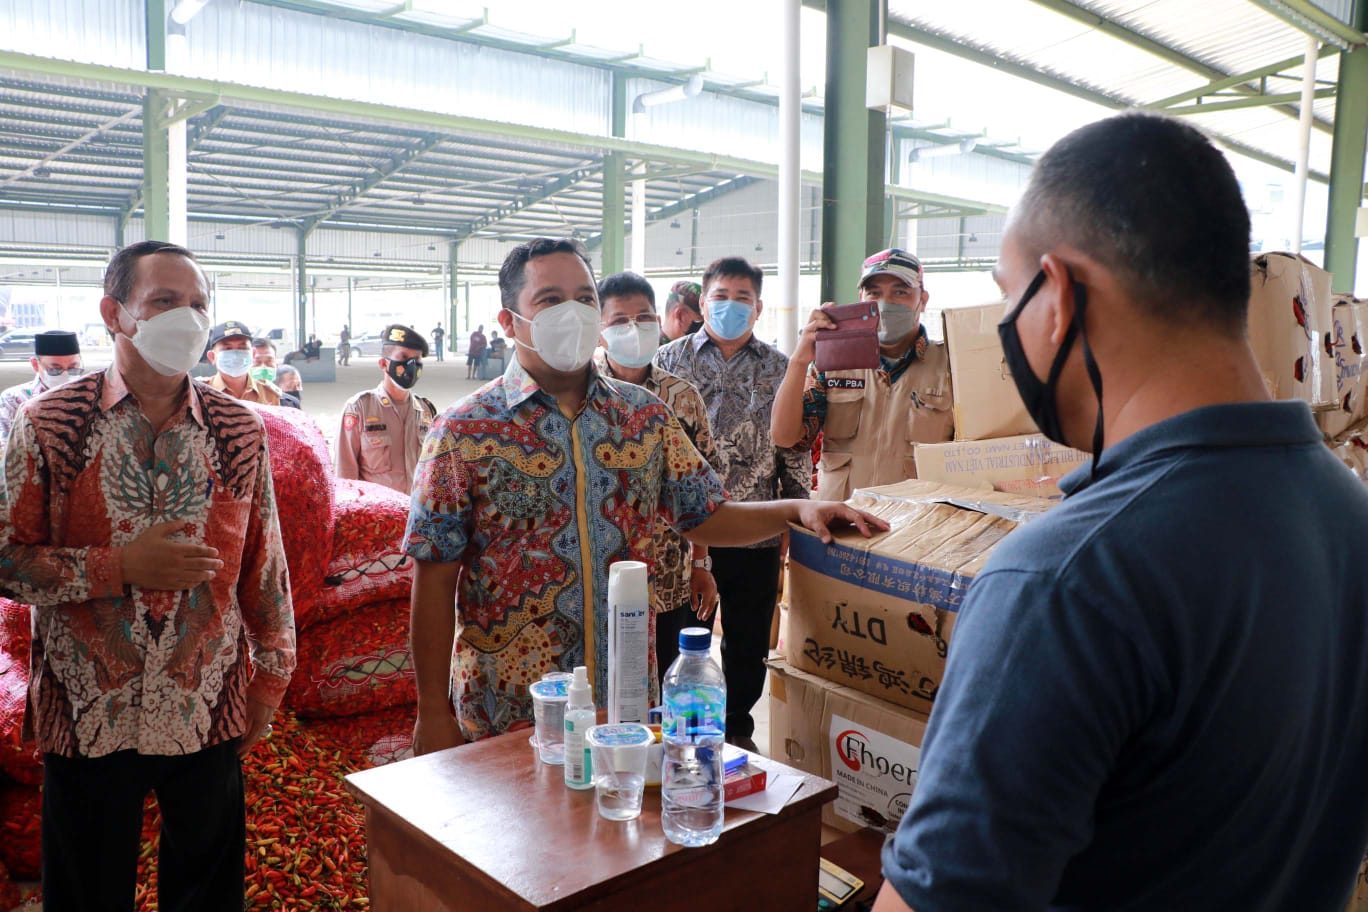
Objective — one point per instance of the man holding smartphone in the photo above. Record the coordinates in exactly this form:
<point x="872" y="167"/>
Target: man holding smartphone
<point x="872" y="418"/>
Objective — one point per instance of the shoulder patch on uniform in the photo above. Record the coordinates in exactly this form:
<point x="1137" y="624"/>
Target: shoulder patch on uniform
<point x="845" y="383"/>
<point x="349" y="421"/>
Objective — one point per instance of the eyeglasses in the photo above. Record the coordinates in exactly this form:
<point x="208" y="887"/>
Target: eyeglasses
<point x="647" y="319"/>
<point x="58" y="372"/>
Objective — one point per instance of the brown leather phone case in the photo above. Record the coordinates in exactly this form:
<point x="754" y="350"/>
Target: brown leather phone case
<point x="854" y="343"/>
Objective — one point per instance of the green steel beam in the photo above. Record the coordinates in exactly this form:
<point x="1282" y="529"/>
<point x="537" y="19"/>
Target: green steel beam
<point x="503" y="210"/>
<point x="195" y="136"/>
<point x="302" y="285"/>
<point x="453" y="297"/>
<point x="1251" y="101"/>
<point x="1273" y="69"/>
<point x="377" y="176"/>
<point x="853" y="148"/>
<point x="959" y="204"/>
<point x="1314" y="21"/>
<point x="613" y="233"/>
<point x="155" y="22"/>
<point x="156" y="183"/>
<point x="1347" y="161"/>
<point x="1159" y="49"/>
<point x="1012" y="66"/>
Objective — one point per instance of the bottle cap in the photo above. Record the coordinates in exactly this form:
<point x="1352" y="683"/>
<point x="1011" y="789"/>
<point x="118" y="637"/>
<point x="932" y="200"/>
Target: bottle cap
<point x="695" y="638"/>
<point x="580" y="691"/>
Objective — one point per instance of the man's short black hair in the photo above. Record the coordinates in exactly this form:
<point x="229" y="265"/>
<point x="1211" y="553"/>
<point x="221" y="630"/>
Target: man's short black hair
<point x="264" y="343"/>
<point x="620" y="284"/>
<point x="513" y="272"/>
<point x="732" y="267"/>
<point x="118" y="277"/>
<point x="1154" y="201"/>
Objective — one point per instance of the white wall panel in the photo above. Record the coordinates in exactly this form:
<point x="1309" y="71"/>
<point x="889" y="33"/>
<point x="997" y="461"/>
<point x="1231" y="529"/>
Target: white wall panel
<point x="108" y="32"/>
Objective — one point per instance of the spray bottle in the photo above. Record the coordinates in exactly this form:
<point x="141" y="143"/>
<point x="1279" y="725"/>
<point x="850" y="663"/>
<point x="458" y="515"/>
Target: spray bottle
<point x="579" y="717"/>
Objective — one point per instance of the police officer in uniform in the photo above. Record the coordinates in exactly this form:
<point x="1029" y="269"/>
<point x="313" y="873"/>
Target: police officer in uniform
<point x="383" y="428"/>
<point x="871" y="419"/>
<point x="230" y="351"/>
<point x="56" y="359"/>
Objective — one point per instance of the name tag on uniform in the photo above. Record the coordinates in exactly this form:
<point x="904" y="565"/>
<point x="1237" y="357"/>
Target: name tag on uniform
<point x="845" y="383"/>
<point x="375" y="426"/>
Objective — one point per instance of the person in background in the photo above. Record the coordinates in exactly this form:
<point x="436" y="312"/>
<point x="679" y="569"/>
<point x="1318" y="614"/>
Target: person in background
<point x="1129" y="719"/>
<point x="383" y="428"/>
<point x="683" y="315"/>
<point x="313" y="348"/>
<point x="475" y="352"/>
<point x="56" y="360"/>
<point x="870" y="419"/>
<point x="344" y="345"/>
<point x="528" y="490"/>
<point x="264" y="370"/>
<point x="683" y="591"/>
<point x="230" y="353"/>
<point x="289" y="381"/>
<point x="738" y="376"/>
<point x="438" y="342"/>
<point x="138" y="517"/>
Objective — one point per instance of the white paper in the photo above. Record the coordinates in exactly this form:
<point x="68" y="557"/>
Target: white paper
<point x="771" y="800"/>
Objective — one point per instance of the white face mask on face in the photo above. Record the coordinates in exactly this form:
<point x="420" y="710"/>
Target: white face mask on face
<point x="171" y="343"/>
<point x="633" y="344"/>
<point x="233" y="362"/>
<point x="51" y="381"/>
<point x="565" y="335"/>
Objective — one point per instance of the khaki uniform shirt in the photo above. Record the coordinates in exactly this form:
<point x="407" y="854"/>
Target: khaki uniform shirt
<point x="380" y="438"/>
<point x="256" y="391"/>
<point x="873" y="423"/>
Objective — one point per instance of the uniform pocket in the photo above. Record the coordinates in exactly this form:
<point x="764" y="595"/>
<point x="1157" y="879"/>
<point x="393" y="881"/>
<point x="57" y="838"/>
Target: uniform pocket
<point x="375" y="454"/>
<point x="930" y="418"/>
<point x="843" y="414"/>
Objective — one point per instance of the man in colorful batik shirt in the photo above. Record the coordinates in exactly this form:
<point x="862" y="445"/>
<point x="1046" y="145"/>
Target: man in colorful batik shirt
<point x="683" y="591"/>
<point x="530" y="488"/>
<point x="137" y="515"/>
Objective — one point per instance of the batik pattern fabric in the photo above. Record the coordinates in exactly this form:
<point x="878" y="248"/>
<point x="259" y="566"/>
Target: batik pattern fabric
<point x="116" y="666"/>
<point x="739" y="393"/>
<point x="672" y="581"/>
<point x="13" y="399"/>
<point x="536" y="505"/>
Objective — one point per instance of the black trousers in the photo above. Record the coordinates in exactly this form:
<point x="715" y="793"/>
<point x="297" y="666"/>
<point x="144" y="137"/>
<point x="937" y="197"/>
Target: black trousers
<point x="92" y="829"/>
<point x="668" y="626"/>
<point x="748" y="584"/>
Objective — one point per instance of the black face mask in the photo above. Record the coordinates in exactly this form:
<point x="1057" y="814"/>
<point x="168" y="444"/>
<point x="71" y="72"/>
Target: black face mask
<point x="694" y="327"/>
<point x="405" y="373"/>
<point x="1041" y="399"/>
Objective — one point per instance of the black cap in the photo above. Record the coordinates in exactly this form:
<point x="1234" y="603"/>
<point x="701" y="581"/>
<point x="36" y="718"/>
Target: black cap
<point x="55" y="343"/>
<point x="229" y="329"/>
<point x="397" y="334"/>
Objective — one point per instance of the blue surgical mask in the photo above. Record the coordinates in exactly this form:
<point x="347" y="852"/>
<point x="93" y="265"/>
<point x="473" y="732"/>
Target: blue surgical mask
<point x="233" y="362"/>
<point x="729" y="319"/>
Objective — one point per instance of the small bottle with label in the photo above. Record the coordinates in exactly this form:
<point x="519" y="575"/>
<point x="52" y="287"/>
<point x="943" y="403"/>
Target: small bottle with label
<point x="579" y="718"/>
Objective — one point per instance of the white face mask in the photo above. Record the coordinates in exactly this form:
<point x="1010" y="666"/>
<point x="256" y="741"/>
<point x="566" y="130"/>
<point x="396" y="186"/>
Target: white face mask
<point x="233" y="362"/>
<point x="564" y="335"/>
<point x="52" y="381"/>
<point x="172" y="342"/>
<point x="633" y="344"/>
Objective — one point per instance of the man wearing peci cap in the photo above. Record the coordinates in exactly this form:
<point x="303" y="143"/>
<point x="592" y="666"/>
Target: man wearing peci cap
<point x="56" y="360"/>
<point x="383" y="428"/>
<point x="683" y="313"/>
<point x="870" y="419"/>
<point x="230" y="351"/>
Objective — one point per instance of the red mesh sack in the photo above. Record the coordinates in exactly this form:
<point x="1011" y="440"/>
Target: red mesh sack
<point x="302" y="471"/>
<point x="368" y="563"/>
<point x="355" y="664"/>
<point x="21" y="843"/>
<point x="16" y="758"/>
<point x="9" y="890"/>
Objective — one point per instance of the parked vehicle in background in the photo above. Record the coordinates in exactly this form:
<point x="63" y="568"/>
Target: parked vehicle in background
<point x="18" y="343"/>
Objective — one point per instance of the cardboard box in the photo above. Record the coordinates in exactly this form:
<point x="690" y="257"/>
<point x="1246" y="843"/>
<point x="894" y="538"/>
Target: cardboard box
<point x="1289" y="326"/>
<point x="876" y="614"/>
<point x="1030" y="464"/>
<point x="986" y="400"/>
<point x="869" y="747"/>
<point x="1345" y="347"/>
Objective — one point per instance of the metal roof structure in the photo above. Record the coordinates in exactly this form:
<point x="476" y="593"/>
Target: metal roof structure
<point x="74" y="145"/>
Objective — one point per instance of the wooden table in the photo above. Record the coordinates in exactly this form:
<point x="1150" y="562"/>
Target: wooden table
<point x="487" y="826"/>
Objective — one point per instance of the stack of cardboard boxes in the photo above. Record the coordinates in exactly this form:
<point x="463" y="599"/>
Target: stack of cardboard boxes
<point x="996" y="444"/>
<point x="865" y="636"/>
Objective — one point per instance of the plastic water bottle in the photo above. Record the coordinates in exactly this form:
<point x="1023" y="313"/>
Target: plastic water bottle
<point x="694" y="727"/>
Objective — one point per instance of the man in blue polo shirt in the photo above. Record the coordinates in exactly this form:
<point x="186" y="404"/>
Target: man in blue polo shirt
<point x="1157" y="693"/>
